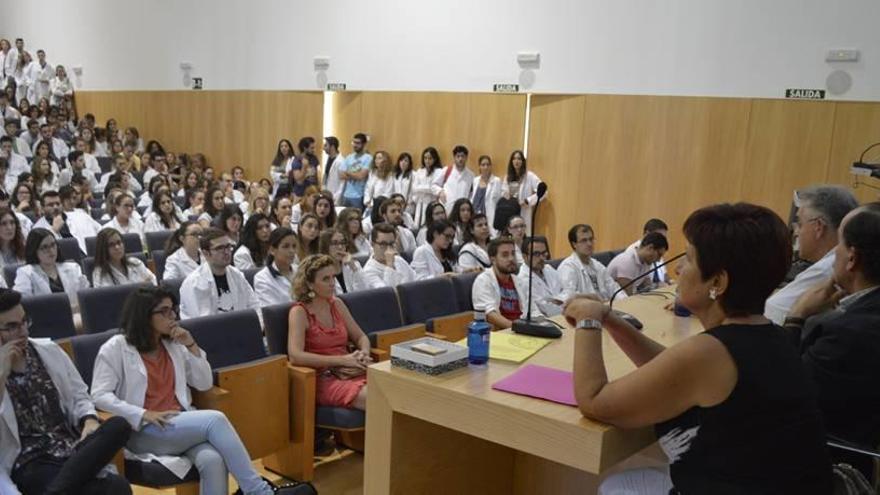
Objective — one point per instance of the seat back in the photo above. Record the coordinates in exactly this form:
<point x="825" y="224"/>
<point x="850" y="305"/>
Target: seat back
<point x="101" y="307"/>
<point x="173" y="285"/>
<point x="132" y="244"/>
<point x="88" y="264"/>
<point x="249" y="275"/>
<point x="463" y="284"/>
<point x="105" y="163"/>
<point x="605" y="257"/>
<point x="555" y="263"/>
<point x="97" y="213"/>
<point x="157" y="240"/>
<point x="374" y="309"/>
<point x="228" y="338"/>
<point x="426" y="299"/>
<point x="158" y="257"/>
<point x="85" y="352"/>
<point x="69" y="249"/>
<point x="51" y="314"/>
<point x="9" y="273"/>
<point x="275" y="320"/>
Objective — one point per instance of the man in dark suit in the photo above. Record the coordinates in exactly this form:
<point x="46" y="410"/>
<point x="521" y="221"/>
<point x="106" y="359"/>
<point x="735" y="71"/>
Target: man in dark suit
<point x="842" y="351"/>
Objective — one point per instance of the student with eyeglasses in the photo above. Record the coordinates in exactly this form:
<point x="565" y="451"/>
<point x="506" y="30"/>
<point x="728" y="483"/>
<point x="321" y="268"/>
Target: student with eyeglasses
<point x="386" y="268"/>
<point x="51" y="440"/>
<point x="216" y="286"/>
<point x="144" y="376"/>
<point x="124" y="221"/>
<point x="113" y="266"/>
<point x="581" y="274"/>
<point x="547" y="288"/>
<point x="435" y="258"/>
<point x="46" y="272"/>
<point x="349" y="273"/>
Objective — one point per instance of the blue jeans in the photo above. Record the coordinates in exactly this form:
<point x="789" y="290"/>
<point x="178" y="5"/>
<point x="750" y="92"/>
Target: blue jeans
<point x="211" y="443"/>
<point x="352" y="203"/>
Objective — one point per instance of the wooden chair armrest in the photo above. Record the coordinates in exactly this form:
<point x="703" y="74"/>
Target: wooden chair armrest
<point x="380" y="355"/>
<point x="296" y="460"/>
<point x="214" y="398"/>
<point x="453" y="327"/>
<point x="384" y="339"/>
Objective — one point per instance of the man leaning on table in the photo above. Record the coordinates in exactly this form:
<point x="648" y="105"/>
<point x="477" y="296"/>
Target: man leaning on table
<point x="498" y="292"/>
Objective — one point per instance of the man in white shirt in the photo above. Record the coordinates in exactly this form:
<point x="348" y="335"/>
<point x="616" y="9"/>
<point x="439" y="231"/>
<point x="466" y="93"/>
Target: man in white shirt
<point x="459" y="180"/>
<point x="580" y="273"/>
<point x="547" y="289"/>
<point x="497" y="292"/>
<point x="385" y="268"/>
<point x="77" y="165"/>
<point x="215" y="287"/>
<point x="636" y="261"/>
<point x="76" y="223"/>
<point x="59" y="147"/>
<point x="120" y="166"/>
<point x="17" y="163"/>
<point x="19" y="145"/>
<point x="655" y="225"/>
<point x="820" y="211"/>
<point x="331" y="181"/>
<point x="42" y="77"/>
<point x="32" y="134"/>
<point x="393" y="215"/>
<point x="7" y="111"/>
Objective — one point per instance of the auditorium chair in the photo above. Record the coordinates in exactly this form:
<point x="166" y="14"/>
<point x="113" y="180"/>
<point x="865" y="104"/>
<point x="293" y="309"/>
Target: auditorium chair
<point x="157" y="240"/>
<point x="105" y="163"/>
<point x="158" y="257"/>
<point x="433" y="302"/>
<point x="463" y="284"/>
<point x="555" y="263"/>
<point x="97" y="214"/>
<point x="605" y="257"/>
<point x="101" y="307"/>
<point x="132" y="243"/>
<point x="9" y="273"/>
<point x="69" y="249"/>
<point x="51" y="315"/>
<point x="251" y="387"/>
<point x="377" y="312"/>
<point x="173" y="285"/>
<point x="249" y="275"/>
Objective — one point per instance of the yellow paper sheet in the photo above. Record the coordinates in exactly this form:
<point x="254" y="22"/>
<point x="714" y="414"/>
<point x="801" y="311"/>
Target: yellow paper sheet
<point x="512" y="347"/>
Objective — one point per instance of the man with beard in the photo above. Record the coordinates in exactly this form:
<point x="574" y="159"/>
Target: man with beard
<point x="497" y="292"/>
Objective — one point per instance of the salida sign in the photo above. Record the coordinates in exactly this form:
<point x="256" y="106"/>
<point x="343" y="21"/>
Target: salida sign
<point x="805" y="94"/>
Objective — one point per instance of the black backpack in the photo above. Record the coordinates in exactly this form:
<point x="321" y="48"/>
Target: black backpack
<point x="505" y="208"/>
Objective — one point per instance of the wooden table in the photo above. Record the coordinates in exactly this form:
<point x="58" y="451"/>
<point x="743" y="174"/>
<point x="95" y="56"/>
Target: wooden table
<point x="454" y="434"/>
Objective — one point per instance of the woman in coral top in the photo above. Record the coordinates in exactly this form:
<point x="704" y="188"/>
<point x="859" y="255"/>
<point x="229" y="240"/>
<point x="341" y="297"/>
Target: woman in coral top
<point x="321" y="333"/>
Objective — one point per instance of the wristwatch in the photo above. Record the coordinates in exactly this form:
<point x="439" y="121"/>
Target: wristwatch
<point x="589" y="324"/>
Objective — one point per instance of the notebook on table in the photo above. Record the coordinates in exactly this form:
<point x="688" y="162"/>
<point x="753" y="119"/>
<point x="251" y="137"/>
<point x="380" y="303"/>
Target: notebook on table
<point x="540" y="382"/>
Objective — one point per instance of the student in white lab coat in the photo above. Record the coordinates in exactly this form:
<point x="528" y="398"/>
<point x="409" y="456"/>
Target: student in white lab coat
<point x="522" y="185"/>
<point x="273" y="283"/>
<point x="427" y="183"/>
<point x="391" y="212"/>
<point x="435" y="258"/>
<point x="349" y="223"/>
<point x="581" y="273"/>
<point x="486" y="191"/>
<point x="254" y="246"/>
<point x="75" y="223"/>
<point x="182" y="252"/>
<point x="164" y="214"/>
<point x="381" y="180"/>
<point x="474" y="254"/>
<point x="461" y="216"/>
<point x="216" y="286"/>
<point x="404" y="176"/>
<point x="280" y="166"/>
<point x="60" y="87"/>
<point x="11" y="238"/>
<point x="547" y="290"/>
<point x="335" y="159"/>
<point x="113" y="266"/>
<point x="385" y="268"/>
<point x="124" y="221"/>
<point x="42" y="77"/>
<point x="433" y="213"/>
<point x="167" y="428"/>
<point x="349" y="273"/>
<point x="458" y="179"/>
<point x="46" y="272"/>
<point x="498" y="292"/>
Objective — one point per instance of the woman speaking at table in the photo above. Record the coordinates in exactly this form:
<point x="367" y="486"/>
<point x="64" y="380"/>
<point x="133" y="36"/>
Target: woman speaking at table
<point x="731" y="406"/>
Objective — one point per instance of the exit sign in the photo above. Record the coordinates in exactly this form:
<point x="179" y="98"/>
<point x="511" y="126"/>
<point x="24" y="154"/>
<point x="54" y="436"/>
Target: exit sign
<point x="805" y="94"/>
<point x="335" y="86"/>
<point x="506" y="88"/>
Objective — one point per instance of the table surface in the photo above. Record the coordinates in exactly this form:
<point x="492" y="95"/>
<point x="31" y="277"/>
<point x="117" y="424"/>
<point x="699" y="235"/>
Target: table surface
<point x="464" y="400"/>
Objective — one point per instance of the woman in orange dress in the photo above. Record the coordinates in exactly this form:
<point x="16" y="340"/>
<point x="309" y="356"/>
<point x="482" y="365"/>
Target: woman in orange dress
<point x="322" y="331"/>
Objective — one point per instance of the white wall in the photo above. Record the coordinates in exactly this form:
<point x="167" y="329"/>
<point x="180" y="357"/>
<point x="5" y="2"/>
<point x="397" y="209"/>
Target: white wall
<point x="753" y="48"/>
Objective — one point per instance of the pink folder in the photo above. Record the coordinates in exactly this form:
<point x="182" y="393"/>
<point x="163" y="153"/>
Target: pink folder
<point x="540" y="382"/>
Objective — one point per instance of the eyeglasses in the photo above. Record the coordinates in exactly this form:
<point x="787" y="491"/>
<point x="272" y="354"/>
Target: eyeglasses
<point x="223" y="247"/>
<point x="169" y="312"/>
<point x="48" y="247"/>
<point x="449" y="236"/>
<point x="27" y="323"/>
<point x="542" y="254"/>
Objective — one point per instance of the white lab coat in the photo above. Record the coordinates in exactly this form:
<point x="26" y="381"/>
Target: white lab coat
<point x="426" y="188"/>
<point x="380" y="275"/>
<point x="273" y="289"/>
<point x="179" y="265"/>
<point x="119" y="386"/>
<point x="576" y="279"/>
<point x="153" y="222"/>
<point x="363" y="246"/>
<point x="527" y="191"/>
<point x="353" y="274"/>
<point x="31" y="280"/>
<point x="493" y="194"/>
<point x="407" y="239"/>
<point x="65" y="176"/>
<point x="243" y="259"/>
<point x="10" y="62"/>
<point x="334" y="184"/>
<point x="58" y="89"/>
<point x="486" y="294"/>
<point x="198" y="294"/>
<point x="17" y="164"/>
<point x="42" y="77"/>
<point x="457" y="186"/>
<point x="779" y="304"/>
<point x="279" y="174"/>
<point x="404" y="186"/>
<point x="376" y="186"/>
<point x="20" y="146"/>
<point x="59" y="149"/>
<point x="468" y="257"/>
<point x="426" y="264"/>
<point x="72" y="393"/>
<point x="544" y="288"/>
<point x="138" y="273"/>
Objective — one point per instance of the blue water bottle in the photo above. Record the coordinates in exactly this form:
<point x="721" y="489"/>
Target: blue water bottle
<point x="478" y="339"/>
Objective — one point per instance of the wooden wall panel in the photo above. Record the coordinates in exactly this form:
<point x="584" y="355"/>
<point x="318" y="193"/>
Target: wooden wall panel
<point x="856" y="126"/>
<point x="230" y="127"/>
<point x="788" y="147"/>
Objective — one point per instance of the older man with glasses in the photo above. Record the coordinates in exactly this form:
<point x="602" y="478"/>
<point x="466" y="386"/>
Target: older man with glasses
<point x="51" y="440"/>
<point x="216" y="286"/>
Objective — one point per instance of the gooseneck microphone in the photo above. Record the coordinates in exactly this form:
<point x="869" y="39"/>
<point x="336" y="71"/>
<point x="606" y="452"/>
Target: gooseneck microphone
<point x="649" y="272"/>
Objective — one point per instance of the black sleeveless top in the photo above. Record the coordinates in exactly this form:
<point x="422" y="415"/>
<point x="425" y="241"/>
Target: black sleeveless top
<point x="765" y="438"/>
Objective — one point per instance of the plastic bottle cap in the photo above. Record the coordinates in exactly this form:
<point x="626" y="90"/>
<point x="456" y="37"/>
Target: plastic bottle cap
<point x="479" y="315"/>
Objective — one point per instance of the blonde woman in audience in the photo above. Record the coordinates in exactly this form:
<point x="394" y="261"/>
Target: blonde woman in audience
<point x="46" y="272"/>
<point x="60" y="87"/>
<point x="306" y="204"/>
<point x="381" y="180"/>
<point x="113" y="266"/>
<point x="253" y="249"/>
<point x="307" y="236"/>
<point x="349" y="223"/>
<point x="427" y="184"/>
<point x="11" y="239"/>
<point x="258" y="202"/>
<point x="182" y="251"/>
<point x="486" y="191"/>
<point x="44" y="179"/>
<point x="522" y="185"/>
<point x="163" y="214"/>
<point x="273" y="283"/>
<point x="124" y="221"/>
<point x="516" y="228"/>
<point x="349" y="273"/>
<point x="321" y="330"/>
<point x="404" y="175"/>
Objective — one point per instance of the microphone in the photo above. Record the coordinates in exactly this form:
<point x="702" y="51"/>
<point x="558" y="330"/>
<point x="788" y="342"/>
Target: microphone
<point x="542" y="327"/>
<point x="649" y="272"/>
